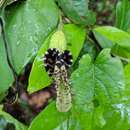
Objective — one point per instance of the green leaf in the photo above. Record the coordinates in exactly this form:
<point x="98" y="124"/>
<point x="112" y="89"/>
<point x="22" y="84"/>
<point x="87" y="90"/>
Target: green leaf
<point x="39" y="78"/>
<point x="99" y="117"/>
<point x="109" y="81"/>
<point x="123" y="14"/>
<point x="101" y="77"/>
<point x="27" y="26"/>
<point x="83" y="116"/>
<point x="62" y="121"/>
<point x="74" y="36"/>
<point x="49" y="119"/>
<point x="6" y="77"/>
<point x="77" y="11"/>
<point x="73" y="121"/>
<point x="83" y="76"/>
<point x="111" y="37"/>
<point x="9" y="119"/>
<point x="117" y="118"/>
<point x="82" y="88"/>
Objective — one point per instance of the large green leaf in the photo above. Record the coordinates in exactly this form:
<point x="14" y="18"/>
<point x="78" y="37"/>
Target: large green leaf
<point x="6" y="77"/>
<point x="103" y="76"/>
<point x="9" y="119"/>
<point x="77" y="11"/>
<point x="118" y="116"/>
<point x="123" y="14"/>
<point x="38" y="77"/>
<point x="27" y="25"/>
<point x="101" y="79"/>
<point x="83" y="93"/>
<point x="111" y="37"/>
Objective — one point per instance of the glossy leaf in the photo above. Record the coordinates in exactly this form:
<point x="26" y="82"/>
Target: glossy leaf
<point x="111" y="37"/>
<point x="27" y="26"/>
<point x="39" y="78"/>
<point x="77" y="11"/>
<point x="103" y="76"/>
<point x="89" y="80"/>
<point x="62" y="121"/>
<point x="100" y="80"/>
<point x="49" y="116"/>
<point x="117" y="118"/>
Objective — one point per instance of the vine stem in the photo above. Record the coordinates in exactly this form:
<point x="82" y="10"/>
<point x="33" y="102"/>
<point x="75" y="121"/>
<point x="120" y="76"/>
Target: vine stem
<point x="3" y="35"/>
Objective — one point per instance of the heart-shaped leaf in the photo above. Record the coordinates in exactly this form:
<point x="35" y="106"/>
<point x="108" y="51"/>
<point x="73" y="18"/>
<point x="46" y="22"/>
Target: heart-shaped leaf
<point x="101" y="77"/>
<point x="90" y="81"/>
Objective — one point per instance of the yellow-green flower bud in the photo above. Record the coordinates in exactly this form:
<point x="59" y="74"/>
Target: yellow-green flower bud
<point x="58" y="41"/>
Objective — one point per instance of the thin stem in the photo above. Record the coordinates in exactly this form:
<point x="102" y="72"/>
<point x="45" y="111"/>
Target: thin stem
<point x="60" y="26"/>
<point x="6" y="48"/>
<point x="3" y="34"/>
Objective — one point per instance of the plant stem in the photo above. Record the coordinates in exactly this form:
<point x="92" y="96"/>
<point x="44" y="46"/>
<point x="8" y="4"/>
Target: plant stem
<point x="3" y="34"/>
